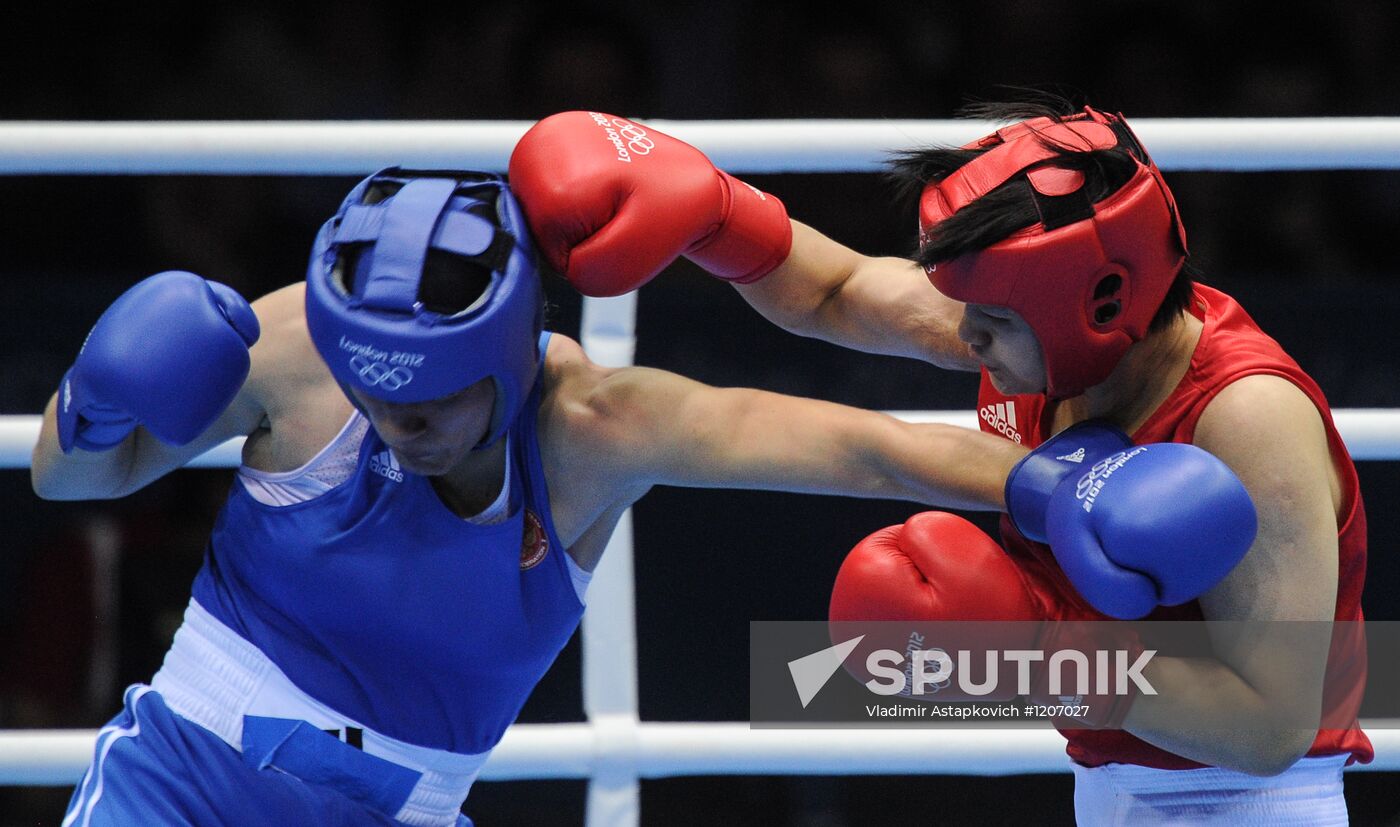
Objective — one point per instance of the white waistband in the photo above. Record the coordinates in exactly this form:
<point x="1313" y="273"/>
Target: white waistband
<point x="214" y="677"/>
<point x="1308" y="794"/>
<point x="1132" y="778"/>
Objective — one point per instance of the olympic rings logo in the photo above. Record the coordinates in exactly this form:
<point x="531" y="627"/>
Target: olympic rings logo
<point x="1089" y="484"/>
<point x="637" y="141"/>
<point x="1099" y="470"/>
<point x="380" y="375"/>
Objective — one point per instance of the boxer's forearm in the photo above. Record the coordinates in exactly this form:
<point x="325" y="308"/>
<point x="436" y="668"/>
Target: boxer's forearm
<point x="129" y="466"/>
<point x="950" y="467"/>
<point x="1205" y="711"/>
<point x="827" y="291"/>
<point x="78" y="475"/>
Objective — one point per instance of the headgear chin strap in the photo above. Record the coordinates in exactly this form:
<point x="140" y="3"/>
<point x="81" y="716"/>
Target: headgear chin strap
<point x="383" y="334"/>
<point x="1089" y="277"/>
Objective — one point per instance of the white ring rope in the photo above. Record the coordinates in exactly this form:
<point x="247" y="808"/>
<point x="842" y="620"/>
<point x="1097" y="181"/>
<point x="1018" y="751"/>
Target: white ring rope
<point x="613" y="748"/>
<point x="745" y="147"/>
<point x="666" y="750"/>
<point x="1370" y="434"/>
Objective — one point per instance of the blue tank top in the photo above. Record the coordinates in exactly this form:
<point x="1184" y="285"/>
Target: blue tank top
<point x="378" y="601"/>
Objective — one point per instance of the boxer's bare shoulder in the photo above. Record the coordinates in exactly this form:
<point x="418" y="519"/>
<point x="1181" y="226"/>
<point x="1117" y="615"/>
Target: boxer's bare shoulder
<point x="302" y="408"/>
<point x="583" y="428"/>
<point x="1274" y="438"/>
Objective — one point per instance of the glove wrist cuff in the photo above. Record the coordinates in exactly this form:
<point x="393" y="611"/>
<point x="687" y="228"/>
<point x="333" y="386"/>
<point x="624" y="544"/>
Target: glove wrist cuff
<point x="78" y="431"/>
<point x="753" y="238"/>
<point x="1028" y="490"/>
<point x="1035" y="477"/>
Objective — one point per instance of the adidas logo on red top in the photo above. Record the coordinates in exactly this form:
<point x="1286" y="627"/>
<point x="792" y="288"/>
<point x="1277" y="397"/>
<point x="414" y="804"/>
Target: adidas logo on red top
<point x="1002" y="419"/>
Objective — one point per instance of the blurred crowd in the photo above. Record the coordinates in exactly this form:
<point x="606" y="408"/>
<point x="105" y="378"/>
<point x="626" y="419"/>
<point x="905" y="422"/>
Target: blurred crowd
<point x="723" y="58"/>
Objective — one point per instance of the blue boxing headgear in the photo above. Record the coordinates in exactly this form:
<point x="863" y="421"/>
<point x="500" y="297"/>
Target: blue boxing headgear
<point x="423" y="284"/>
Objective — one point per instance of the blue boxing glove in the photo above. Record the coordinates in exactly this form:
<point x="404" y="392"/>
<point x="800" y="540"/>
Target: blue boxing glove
<point x="1035" y="477"/>
<point x="1132" y="526"/>
<point x="169" y="354"/>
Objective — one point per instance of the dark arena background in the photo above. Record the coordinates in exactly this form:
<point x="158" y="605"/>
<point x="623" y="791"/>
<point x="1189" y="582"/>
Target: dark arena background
<point x="90" y="593"/>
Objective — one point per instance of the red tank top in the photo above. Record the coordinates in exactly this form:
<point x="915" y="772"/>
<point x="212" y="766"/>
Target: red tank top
<point x="1231" y="347"/>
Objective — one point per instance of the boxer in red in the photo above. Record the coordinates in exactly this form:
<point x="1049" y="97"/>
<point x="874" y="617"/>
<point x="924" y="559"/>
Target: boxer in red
<point x="1053" y="260"/>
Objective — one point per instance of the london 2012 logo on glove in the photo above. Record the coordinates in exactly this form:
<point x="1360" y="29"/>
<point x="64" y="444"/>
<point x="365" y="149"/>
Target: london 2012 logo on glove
<point x="1093" y="481"/>
<point x="628" y="138"/>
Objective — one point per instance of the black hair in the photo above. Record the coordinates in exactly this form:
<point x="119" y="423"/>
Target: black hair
<point x="451" y="283"/>
<point x="1015" y="205"/>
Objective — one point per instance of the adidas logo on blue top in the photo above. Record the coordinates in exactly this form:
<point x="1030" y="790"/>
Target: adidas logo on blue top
<point x="385" y="465"/>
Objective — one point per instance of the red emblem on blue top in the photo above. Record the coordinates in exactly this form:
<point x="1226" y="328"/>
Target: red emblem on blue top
<point x="534" y="543"/>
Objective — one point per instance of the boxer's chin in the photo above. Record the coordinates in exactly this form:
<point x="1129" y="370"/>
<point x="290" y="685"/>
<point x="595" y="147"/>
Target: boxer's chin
<point x="1008" y="384"/>
<point x="427" y="463"/>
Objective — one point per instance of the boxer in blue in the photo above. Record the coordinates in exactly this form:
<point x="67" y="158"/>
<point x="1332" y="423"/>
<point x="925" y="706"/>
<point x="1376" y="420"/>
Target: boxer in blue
<point x="427" y="482"/>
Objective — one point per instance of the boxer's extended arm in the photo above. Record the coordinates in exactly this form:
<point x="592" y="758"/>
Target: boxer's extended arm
<point x="1241" y="705"/>
<point x="636" y="427"/>
<point x="828" y="291"/>
<point x="743" y="438"/>
<point x="611" y="202"/>
<point x="141" y="458"/>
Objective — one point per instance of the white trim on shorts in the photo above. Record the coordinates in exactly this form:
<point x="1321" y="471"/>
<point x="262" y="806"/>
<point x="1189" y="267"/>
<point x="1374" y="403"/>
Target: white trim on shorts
<point x="84" y="805"/>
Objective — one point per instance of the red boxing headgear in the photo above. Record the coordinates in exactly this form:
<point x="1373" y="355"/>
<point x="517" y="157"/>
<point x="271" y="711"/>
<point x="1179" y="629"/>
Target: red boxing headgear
<point x="1089" y="277"/>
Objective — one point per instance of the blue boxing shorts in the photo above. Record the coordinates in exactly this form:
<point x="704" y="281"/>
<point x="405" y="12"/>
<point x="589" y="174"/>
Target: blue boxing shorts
<point x="153" y="768"/>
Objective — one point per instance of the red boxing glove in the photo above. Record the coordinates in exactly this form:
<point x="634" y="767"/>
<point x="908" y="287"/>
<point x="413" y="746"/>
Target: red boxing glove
<point x="937" y="567"/>
<point x="612" y="203"/>
<point x="940" y="567"/>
